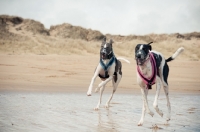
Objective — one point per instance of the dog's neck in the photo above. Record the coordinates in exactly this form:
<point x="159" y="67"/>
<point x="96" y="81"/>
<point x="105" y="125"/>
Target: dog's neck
<point x="146" y="68"/>
<point x="106" y="61"/>
<point x="146" y="63"/>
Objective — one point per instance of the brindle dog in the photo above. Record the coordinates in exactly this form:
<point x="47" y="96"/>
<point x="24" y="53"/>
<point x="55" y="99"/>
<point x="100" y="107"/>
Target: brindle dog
<point x="109" y="68"/>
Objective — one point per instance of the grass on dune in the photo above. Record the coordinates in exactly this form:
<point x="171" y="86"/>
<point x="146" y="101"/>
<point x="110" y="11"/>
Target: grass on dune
<point x="45" y="45"/>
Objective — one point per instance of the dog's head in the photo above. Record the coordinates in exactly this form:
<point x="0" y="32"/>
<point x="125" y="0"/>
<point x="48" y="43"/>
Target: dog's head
<point x="106" y="51"/>
<point x="142" y="52"/>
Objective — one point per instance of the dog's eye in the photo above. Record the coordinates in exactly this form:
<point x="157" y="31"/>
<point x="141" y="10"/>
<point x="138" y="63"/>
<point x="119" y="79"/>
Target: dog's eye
<point x="108" y="49"/>
<point x="145" y="50"/>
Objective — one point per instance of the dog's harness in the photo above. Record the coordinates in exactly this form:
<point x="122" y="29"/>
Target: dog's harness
<point x="149" y="82"/>
<point x="106" y="67"/>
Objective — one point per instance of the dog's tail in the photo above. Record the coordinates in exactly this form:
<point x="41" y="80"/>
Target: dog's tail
<point x="180" y="50"/>
<point x="127" y="61"/>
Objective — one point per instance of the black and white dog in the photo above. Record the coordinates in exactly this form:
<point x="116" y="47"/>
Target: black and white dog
<point x="109" y="68"/>
<point x="152" y="69"/>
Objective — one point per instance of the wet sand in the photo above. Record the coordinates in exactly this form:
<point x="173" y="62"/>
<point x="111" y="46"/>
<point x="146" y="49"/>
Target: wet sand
<point x="48" y="93"/>
<point x="56" y="112"/>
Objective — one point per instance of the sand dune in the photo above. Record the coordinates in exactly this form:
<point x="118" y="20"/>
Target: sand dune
<point x="20" y="36"/>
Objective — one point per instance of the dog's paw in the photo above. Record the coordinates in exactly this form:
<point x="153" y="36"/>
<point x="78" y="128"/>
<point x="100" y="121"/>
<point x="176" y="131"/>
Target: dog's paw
<point x="89" y="93"/>
<point x="151" y="113"/>
<point x="140" y="123"/>
<point x="107" y="106"/>
<point x="96" y="108"/>
<point x="160" y="113"/>
<point x="168" y="118"/>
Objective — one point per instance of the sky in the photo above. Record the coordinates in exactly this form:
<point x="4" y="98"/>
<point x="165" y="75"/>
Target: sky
<point x="119" y="17"/>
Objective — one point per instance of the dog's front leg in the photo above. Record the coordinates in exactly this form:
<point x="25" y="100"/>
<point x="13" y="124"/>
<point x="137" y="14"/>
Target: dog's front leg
<point x="89" y="92"/>
<point x="140" y="123"/>
<point x="144" y="91"/>
<point x="110" y="73"/>
<point x="103" y="83"/>
<point x="101" y="92"/>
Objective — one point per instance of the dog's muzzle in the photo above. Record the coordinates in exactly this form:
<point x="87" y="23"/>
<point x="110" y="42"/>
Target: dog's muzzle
<point x="105" y="54"/>
<point x="140" y="57"/>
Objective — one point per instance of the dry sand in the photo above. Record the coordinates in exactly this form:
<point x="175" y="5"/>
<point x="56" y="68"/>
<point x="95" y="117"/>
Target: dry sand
<point x="48" y="93"/>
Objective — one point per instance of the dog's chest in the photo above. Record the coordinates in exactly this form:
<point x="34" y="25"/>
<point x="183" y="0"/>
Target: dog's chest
<point x="102" y="72"/>
<point x="146" y="70"/>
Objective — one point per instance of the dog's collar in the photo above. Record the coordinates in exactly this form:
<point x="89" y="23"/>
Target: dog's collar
<point x="151" y="81"/>
<point x="106" y="66"/>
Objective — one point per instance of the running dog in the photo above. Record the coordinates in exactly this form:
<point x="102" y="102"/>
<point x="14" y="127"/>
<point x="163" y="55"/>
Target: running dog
<point x="109" y="68"/>
<point x="152" y="69"/>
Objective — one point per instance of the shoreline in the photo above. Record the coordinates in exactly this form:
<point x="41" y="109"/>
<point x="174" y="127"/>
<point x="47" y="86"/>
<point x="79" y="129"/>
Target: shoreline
<point x="65" y="90"/>
<point x="73" y="73"/>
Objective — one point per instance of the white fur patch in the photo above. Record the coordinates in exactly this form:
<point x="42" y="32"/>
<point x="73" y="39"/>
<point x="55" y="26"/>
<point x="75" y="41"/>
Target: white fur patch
<point x="141" y="46"/>
<point x="105" y="45"/>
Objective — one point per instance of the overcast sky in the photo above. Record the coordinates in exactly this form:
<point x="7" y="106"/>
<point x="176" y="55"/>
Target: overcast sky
<point x="112" y="16"/>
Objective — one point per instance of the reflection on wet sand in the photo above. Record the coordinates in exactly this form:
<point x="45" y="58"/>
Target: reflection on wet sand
<point x="106" y="124"/>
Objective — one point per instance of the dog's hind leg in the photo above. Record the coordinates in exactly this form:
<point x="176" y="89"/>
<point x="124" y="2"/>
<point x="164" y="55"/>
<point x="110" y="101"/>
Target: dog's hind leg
<point x="115" y="84"/>
<point x="166" y="89"/>
<point x="101" y="92"/>
<point x="155" y="104"/>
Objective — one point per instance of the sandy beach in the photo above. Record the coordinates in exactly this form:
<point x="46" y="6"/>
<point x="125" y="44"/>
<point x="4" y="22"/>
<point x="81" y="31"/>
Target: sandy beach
<point x="48" y="93"/>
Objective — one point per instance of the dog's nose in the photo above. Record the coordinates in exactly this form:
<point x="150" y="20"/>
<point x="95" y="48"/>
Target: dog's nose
<point x="138" y="55"/>
<point x="103" y="51"/>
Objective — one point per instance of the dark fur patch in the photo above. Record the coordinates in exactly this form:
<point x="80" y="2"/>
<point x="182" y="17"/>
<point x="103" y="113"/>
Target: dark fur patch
<point x="118" y="68"/>
<point x="104" y="77"/>
<point x="169" y="59"/>
<point x="165" y="72"/>
<point x="158" y="60"/>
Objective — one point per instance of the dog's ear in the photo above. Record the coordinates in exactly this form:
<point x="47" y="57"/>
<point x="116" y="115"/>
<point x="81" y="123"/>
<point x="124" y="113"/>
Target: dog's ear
<point x="150" y="45"/>
<point x="111" y="42"/>
<point x="104" y="40"/>
<point x="137" y="47"/>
